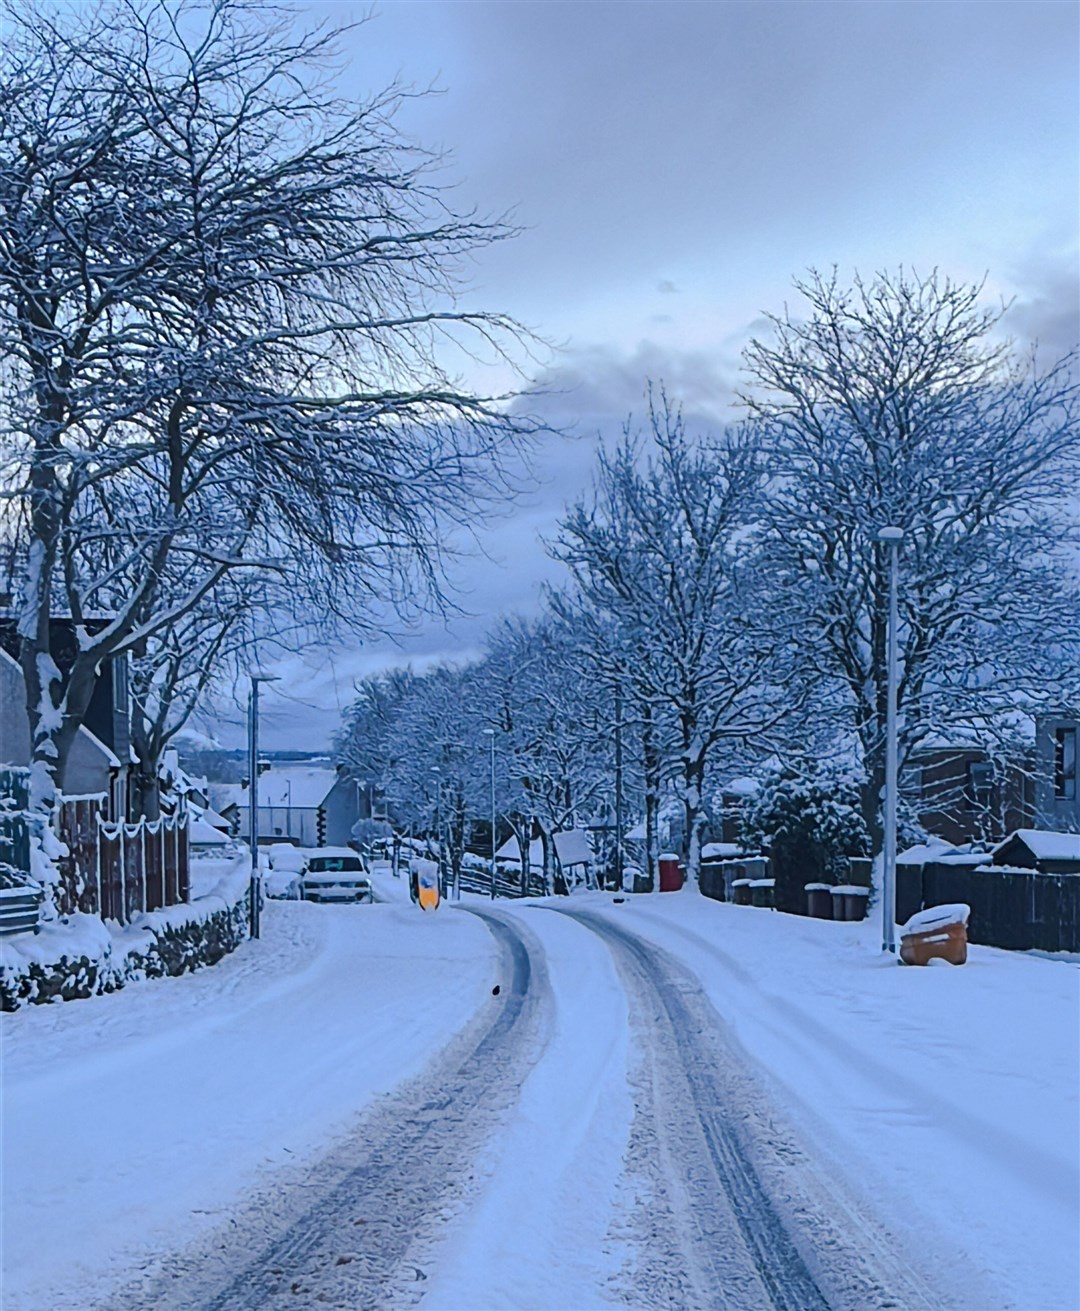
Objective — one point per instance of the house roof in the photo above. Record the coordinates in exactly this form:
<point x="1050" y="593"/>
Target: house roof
<point x="203" y="834"/>
<point x="107" y="754"/>
<point x="1046" y="845"/>
<point x="302" y="789"/>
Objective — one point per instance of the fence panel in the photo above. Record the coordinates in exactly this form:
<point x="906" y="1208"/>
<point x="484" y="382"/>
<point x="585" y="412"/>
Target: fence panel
<point x="154" y="868"/>
<point x="1016" y="910"/>
<point x="134" y="885"/>
<point x="183" y="861"/>
<point x="79" y="878"/>
<point x="111" y="862"/>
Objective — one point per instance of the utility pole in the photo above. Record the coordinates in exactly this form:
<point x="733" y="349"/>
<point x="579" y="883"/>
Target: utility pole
<point x="489" y="733"/>
<point x="254" y="895"/>
<point x="892" y="537"/>
<point x="618" y="788"/>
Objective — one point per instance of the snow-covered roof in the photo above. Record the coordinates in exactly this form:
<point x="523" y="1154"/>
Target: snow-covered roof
<point x="716" y="850"/>
<point x="303" y="789"/>
<point x="224" y="795"/>
<point x="1046" y="845"/>
<point x="741" y="787"/>
<point x="211" y="816"/>
<point x="202" y="834"/>
<point x="924" y="851"/>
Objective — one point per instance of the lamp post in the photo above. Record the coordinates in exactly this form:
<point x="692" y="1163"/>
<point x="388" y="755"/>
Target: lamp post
<point x="438" y="825"/>
<point x="489" y="733"/>
<point x="892" y="537"/>
<point x="253" y="798"/>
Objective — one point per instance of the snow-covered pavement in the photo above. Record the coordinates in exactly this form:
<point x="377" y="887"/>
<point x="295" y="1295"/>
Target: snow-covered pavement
<point x="344" y="1113"/>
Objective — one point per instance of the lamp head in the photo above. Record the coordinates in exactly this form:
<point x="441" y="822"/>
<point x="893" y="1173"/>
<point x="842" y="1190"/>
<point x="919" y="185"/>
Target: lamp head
<point x="890" y="534"/>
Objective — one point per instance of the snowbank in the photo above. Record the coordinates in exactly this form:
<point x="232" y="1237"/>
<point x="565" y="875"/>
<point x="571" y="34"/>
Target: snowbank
<point x="80" y="956"/>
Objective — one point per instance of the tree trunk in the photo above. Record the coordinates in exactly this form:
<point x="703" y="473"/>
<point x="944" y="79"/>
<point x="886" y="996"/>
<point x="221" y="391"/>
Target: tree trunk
<point x="651" y="762"/>
<point x="693" y="779"/>
<point x="547" y="848"/>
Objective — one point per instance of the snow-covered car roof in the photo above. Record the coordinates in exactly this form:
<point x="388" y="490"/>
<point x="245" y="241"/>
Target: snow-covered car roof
<point x="312" y="852"/>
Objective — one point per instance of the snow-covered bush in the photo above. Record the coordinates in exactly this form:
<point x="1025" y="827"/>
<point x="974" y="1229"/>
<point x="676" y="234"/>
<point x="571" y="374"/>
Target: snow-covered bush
<point x="811" y="822"/>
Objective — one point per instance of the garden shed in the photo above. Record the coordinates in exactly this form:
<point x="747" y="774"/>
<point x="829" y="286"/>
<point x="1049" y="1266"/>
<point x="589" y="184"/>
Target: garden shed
<point x="1039" y="849"/>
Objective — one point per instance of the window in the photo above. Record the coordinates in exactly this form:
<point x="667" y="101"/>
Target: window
<point x="1065" y="764"/>
<point x="120" y="684"/>
<point x="980" y="780"/>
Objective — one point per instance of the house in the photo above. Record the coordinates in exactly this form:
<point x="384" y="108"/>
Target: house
<point x="311" y="807"/>
<point x="92" y="769"/>
<point x="1057" y="799"/>
<point x="101" y="759"/>
<point x="962" y="792"/>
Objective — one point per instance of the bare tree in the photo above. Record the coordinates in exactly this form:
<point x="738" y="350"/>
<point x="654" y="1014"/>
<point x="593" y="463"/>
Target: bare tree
<point x="227" y="298"/>
<point x="667" y="549"/>
<point x="554" y="728"/>
<point x="892" y="403"/>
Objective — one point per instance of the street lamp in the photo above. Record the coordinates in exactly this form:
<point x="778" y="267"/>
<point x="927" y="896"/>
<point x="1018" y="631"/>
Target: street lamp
<point x="489" y="733"/>
<point x="892" y="537"/>
<point x="438" y="825"/>
<point x="253" y="798"/>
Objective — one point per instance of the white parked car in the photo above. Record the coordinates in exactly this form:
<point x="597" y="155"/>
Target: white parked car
<point x="335" y="874"/>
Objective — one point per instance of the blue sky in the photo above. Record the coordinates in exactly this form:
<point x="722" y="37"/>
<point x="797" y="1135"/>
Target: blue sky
<point x="674" y="166"/>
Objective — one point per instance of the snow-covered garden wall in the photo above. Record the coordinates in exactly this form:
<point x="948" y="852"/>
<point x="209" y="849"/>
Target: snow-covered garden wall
<point x="82" y="955"/>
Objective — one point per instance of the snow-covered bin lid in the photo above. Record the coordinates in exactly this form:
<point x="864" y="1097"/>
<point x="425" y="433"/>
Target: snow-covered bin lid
<point x="850" y="890"/>
<point x="817" y="887"/>
<point x="761" y="883"/>
<point x="936" y="917"/>
<point x="741" y="883"/>
<point x="668" y="855"/>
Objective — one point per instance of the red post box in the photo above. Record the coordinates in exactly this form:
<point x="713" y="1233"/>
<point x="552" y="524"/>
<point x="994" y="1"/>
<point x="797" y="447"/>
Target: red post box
<point x="670" y="873"/>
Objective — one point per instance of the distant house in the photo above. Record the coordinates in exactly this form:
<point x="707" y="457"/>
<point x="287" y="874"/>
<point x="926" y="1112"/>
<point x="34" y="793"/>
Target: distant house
<point x="308" y="806"/>
<point x="1057" y="798"/>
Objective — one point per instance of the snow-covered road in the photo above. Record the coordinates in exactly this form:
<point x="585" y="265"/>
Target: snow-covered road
<point x="667" y="1104"/>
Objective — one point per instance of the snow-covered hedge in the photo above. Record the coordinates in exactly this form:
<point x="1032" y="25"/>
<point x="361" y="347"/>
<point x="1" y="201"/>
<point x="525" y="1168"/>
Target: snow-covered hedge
<point x="80" y="956"/>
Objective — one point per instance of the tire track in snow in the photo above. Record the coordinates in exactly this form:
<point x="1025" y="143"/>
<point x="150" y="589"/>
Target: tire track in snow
<point x="732" y="1193"/>
<point x="351" y="1232"/>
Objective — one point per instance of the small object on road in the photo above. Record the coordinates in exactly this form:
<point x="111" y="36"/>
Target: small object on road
<point x="618" y="901"/>
<point x="495" y="991"/>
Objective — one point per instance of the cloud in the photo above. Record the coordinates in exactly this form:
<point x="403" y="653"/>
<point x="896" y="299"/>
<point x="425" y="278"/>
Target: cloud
<point x="1047" y="305"/>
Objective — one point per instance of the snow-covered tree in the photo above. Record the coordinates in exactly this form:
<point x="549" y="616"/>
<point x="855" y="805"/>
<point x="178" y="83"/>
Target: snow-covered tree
<point x="810" y="818"/>
<point x="892" y="403"/>
<point x="667" y="549"/>
<point x="553" y="725"/>
<point x="229" y="328"/>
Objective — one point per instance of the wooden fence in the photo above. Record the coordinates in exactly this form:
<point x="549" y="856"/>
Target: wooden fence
<point x="118" y="870"/>
<point x="1018" y="910"/>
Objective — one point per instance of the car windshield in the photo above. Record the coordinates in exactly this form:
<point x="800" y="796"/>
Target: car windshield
<point x="334" y="864"/>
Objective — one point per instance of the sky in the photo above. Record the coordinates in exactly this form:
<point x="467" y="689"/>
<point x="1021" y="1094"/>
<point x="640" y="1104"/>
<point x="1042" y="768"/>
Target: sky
<point x="673" y="167"/>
